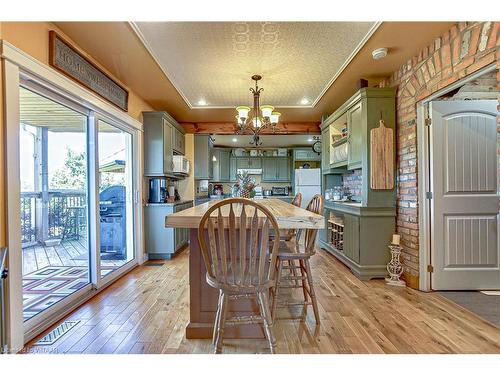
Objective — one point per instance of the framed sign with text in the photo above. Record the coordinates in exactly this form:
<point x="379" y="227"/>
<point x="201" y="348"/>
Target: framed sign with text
<point x="67" y="60"/>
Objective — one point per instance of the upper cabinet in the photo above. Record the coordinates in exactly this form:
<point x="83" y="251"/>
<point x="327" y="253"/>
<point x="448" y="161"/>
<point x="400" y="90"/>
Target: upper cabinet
<point x="223" y="165"/>
<point x="161" y="133"/>
<point x="355" y="137"/>
<point x="345" y="137"/>
<point x="248" y="163"/>
<point x="178" y="142"/>
<point x="305" y="155"/>
<point x="276" y="169"/>
<point x="325" y="149"/>
<point x="203" y="157"/>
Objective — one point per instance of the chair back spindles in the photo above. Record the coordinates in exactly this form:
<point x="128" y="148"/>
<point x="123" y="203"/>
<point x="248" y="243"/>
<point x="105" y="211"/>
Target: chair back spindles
<point x="315" y="205"/>
<point x="297" y="200"/>
<point x="238" y="260"/>
<point x="239" y="265"/>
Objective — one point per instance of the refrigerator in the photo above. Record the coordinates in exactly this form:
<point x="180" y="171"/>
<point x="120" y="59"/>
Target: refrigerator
<point x="308" y="183"/>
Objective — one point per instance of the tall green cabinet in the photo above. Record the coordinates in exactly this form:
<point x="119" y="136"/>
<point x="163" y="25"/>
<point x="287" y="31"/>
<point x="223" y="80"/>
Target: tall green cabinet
<point x="368" y="224"/>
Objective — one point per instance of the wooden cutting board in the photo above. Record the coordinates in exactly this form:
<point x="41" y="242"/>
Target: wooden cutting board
<point x="382" y="157"/>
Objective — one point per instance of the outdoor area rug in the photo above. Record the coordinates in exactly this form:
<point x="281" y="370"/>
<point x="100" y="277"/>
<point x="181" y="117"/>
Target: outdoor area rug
<point x="47" y="286"/>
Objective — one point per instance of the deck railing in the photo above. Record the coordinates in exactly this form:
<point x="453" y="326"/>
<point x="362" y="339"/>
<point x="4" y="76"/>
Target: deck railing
<point x="61" y="214"/>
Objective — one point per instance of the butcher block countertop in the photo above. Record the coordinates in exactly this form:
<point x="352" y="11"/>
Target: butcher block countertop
<point x="287" y="215"/>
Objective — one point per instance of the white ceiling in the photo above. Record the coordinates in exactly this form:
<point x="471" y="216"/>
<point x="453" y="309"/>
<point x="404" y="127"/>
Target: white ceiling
<point x="268" y="141"/>
<point x="213" y="61"/>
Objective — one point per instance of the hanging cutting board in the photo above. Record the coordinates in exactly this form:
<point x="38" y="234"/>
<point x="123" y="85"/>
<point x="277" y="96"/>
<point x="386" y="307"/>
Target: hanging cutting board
<point x="382" y="158"/>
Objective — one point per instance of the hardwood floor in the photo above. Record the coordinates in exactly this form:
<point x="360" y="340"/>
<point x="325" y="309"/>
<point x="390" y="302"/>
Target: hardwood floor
<point x="146" y="311"/>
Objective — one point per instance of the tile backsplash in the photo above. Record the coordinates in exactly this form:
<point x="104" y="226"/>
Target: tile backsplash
<point x="353" y="181"/>
<point x="201" y="186"/>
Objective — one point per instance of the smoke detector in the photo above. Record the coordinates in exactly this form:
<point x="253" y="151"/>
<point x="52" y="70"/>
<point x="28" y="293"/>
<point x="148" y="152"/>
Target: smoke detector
<point x="379" y="53"/>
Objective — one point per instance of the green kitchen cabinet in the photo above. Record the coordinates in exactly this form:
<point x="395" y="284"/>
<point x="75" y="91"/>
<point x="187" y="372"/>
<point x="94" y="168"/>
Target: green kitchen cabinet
<point x="178" y="142"/>
<point x="221" y="165"/>
<point x="163" y="242"/>
<point x="203" y="157"/>
<point x="361" y="113"/>
<point x="161" y="135"/>
<point x="306" y="155"/>
<point x="249" y="163"/>
<point x="232" y="169"/>
<point x="366" y="235"/>
<point x="215" y="165"/>
<point x="325" y="149"/>
<point x="276" y="169"/>
<point x="351" y="237"/>
<point x="269" y="170"/>
<point x="369" y="223"/>
<point x="282" y="169"/>
<point x="355" y="138"/>
<point x="224" y="164"/>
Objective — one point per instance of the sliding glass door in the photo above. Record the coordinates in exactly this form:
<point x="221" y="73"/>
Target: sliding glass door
<point x="116" y="209"/>
<point x="77" y="201"/>
<point x="54" y="201"/>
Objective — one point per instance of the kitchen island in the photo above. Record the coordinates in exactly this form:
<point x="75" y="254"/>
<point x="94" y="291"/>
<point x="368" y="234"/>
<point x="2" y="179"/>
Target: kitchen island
<point x="202" y="297"/>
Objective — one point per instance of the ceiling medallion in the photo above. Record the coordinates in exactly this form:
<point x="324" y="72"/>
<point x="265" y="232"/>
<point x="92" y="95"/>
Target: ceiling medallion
<point x="257" y="120"/>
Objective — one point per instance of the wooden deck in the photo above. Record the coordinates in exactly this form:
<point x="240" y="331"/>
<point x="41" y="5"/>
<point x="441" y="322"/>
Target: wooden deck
<point x="147" y="310"/>
<point x="67" y="253"/>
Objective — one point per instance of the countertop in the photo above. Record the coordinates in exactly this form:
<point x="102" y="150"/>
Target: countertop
<point x="356" y="208"/>
<point x="347" y="203"/>
<point x="182" y="201"/>
<point x="287" y="215"/>
<point x="276" y="197"/>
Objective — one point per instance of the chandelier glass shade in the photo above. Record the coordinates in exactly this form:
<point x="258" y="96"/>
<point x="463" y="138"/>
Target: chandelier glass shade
<point x="257" y="118"/>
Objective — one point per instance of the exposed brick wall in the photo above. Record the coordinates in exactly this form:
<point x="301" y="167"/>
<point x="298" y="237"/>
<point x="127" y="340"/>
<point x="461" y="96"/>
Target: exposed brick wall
<point x="462" y="50"/>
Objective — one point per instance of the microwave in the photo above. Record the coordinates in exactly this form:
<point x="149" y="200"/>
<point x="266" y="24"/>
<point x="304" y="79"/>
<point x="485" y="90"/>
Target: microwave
<point x="181" y="165"/>
<point x="280" y="190"/>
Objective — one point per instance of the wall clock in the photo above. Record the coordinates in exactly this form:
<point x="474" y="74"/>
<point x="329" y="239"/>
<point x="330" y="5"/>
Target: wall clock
<point x="317" y="147"/>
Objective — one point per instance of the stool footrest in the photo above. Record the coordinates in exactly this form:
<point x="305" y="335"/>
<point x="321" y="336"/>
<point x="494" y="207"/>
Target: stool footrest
<point x="242" y="296"/>
<point x="251" y="319"/>
<point x="293" y="278"/>
<point x="288" y="304"/>
<point x="290" y="286"/>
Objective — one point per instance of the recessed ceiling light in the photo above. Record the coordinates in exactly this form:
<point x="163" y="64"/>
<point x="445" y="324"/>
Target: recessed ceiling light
<point x="202" y="102"/>
<point x="304" y="101"/>
<point x="235" y="140"/>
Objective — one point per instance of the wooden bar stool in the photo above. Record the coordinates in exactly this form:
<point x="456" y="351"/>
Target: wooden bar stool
<point x="289" y="234"/>
<point x="239" y="262"/>
<point x="298" y="250"/>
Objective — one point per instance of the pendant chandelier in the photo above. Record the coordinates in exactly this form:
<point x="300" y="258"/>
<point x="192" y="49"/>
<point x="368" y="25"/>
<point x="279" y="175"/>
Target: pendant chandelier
<point x="257" y="118"/>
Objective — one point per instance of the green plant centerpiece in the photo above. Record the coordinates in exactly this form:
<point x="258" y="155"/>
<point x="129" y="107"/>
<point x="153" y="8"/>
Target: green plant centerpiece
<point x="244" y="186"/>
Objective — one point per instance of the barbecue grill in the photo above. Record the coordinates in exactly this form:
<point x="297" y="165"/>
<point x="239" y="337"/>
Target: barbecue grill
<point x="113" y="221"/>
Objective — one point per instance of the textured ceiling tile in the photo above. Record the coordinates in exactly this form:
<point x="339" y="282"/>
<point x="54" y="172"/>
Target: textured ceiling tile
<point x="214" y="61"/>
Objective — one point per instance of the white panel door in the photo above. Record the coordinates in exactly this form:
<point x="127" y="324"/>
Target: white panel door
<point x="465" y="204"/>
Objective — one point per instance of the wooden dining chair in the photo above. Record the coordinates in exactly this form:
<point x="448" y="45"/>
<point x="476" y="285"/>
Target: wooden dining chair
<point x="288" y="234"/>
<point x="297" y="254"/>
<point x="234" y="241"/>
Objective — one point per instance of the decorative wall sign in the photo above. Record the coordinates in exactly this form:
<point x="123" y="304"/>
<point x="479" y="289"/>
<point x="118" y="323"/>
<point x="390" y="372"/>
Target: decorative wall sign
<point x="67" y="60"/>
